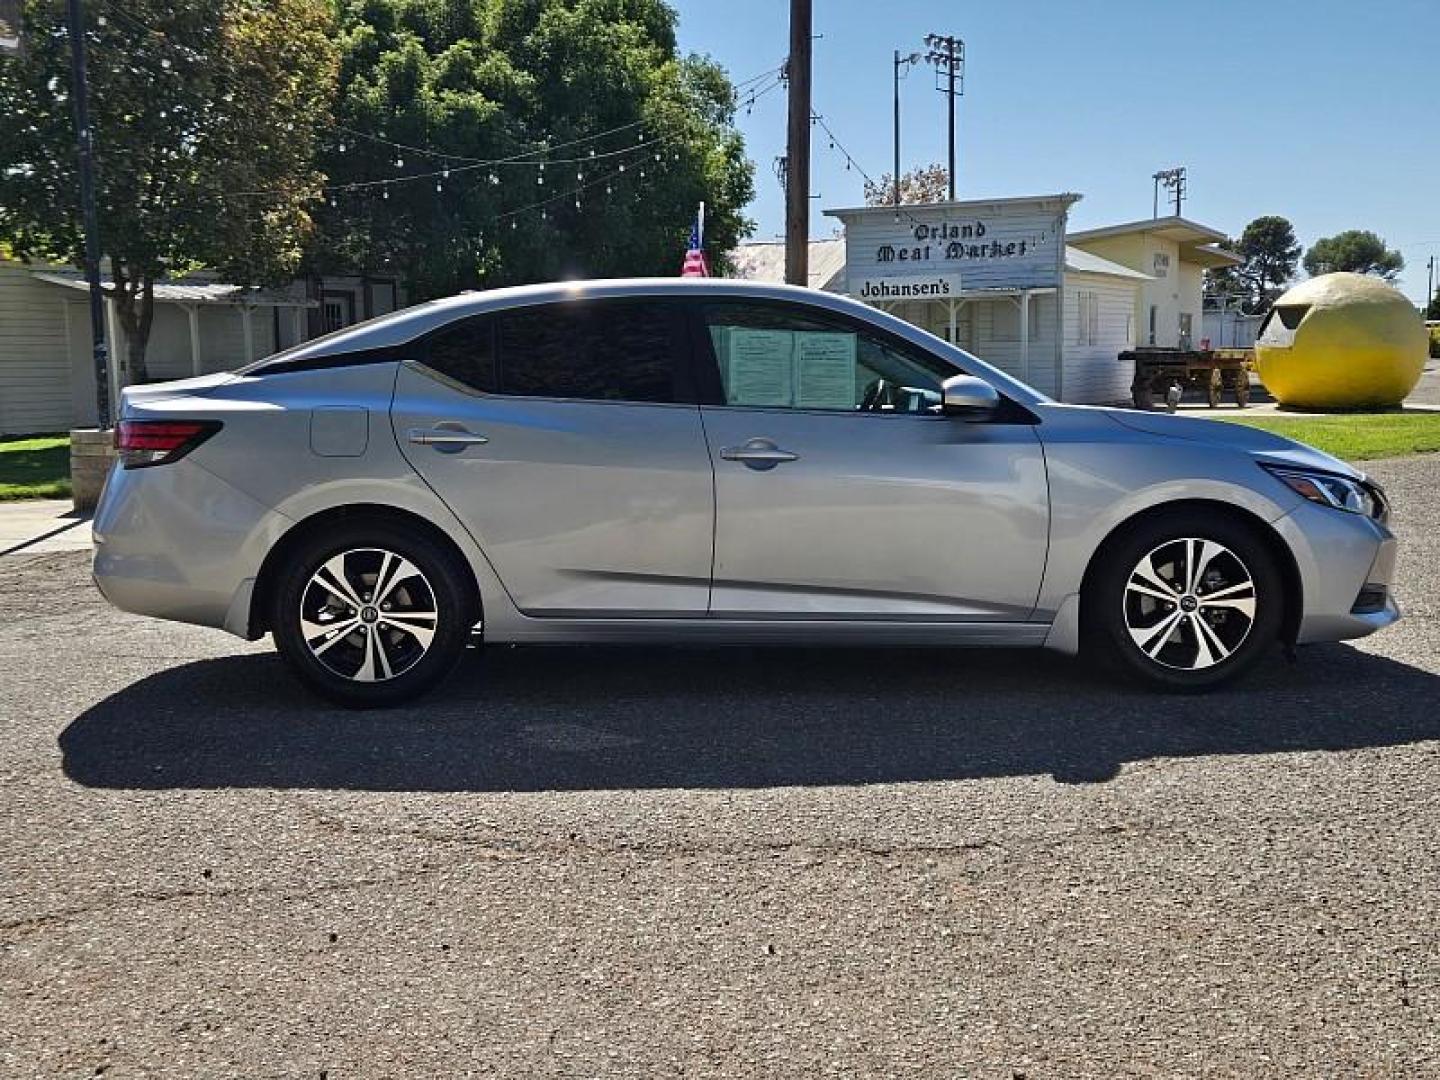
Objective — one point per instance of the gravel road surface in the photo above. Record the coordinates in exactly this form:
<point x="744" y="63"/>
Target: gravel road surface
<point x="716" y="862"/>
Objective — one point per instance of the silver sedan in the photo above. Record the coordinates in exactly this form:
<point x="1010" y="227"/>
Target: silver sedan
<point x="683" y="461"/>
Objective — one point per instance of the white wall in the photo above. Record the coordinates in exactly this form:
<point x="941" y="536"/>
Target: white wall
<point x="222" y="339"/>
<point x="1094" y="374"/>
<point x="1176" y="288"/>
<point x="35" y="393"/>
<point x="995" y="338"/>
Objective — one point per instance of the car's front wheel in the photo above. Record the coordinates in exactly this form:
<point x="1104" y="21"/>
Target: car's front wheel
<point x="1186" y="601"/>
<point x="369" y="614"/>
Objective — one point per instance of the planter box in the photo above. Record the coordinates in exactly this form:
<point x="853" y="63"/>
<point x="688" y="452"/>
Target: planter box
<point x="91" y="453"/>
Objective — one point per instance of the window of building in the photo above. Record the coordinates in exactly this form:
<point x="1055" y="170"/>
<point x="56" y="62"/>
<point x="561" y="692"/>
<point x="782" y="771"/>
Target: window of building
<point x="1087" y="322"/>
<point x="1004" y="320"/>
<point x="778" y="356"/>
<point x="337" y="311"/>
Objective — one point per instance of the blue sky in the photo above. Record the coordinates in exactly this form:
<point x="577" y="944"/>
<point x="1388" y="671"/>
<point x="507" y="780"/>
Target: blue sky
<point x="1327" y="113"/>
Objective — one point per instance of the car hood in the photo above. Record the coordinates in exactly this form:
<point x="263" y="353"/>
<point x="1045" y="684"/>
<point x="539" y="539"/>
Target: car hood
<point x="1238" y="437"/>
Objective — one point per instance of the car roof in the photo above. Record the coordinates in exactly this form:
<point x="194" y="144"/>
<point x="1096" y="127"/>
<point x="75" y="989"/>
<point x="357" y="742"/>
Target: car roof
<point x="401" y="327"/>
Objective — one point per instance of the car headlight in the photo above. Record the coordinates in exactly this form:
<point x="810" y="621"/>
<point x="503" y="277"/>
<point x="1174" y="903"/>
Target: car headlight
<point x="1338" y="492"/>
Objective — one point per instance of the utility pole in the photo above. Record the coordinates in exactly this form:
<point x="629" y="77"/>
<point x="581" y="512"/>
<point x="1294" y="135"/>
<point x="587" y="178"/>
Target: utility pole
<point x="947" y="53"/>
<point x="1172" y="180"/>
<point x="1429" y="287"/>
<point x="85" y="150"/>
<point x="900" y="62"/>
<point x="797" y="153"/>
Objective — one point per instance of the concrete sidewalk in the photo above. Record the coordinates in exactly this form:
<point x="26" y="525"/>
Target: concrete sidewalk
<point x="41" y="526"/>
<point x="1424" y="398"/>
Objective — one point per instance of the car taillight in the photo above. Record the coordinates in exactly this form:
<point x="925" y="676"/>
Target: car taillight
<point x="159" y="442"/>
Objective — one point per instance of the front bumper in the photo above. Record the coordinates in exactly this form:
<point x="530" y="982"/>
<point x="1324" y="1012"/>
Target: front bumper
<point x="177" y="542"/>
<point x="1339" y="557"/>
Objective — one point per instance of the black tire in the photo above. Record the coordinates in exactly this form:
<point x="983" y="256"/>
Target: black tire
<point x="1115" y="610"/>
<point x="402" y="664"/>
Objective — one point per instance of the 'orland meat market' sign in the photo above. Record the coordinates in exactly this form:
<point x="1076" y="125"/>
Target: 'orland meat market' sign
<point x="999" y="244"/>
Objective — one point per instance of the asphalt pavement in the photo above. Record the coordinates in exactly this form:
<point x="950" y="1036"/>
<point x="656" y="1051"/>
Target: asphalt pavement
<point x="716" y="862"/>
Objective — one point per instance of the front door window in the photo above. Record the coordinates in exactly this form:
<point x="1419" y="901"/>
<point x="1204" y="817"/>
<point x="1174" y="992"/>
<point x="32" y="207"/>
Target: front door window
<point x="781" y="358"/>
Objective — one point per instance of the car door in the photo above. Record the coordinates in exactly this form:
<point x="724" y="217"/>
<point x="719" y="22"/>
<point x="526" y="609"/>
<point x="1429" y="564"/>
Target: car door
<point x="840" y="489"/>
<point x="560" y="435"/>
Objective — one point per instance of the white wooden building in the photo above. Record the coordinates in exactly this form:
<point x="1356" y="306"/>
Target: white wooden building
<point x="1003" y="279"/>
<point x="200" y="326"/>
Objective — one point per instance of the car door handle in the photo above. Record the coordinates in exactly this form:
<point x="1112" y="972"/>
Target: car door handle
<point x="445" y="437"/>
<point x="758" y="454"/>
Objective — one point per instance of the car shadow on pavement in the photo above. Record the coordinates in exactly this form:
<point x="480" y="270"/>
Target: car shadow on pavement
<point x="591" y="718"/>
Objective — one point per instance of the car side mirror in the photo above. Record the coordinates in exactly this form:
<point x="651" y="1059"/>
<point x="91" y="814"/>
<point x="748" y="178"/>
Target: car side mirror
<point x="970" y="399"/>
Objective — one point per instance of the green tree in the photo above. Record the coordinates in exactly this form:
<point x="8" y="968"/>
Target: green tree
<point x="191" y="104"/>
<point x="924" y="184"/>
<point x="468" y="152"/>
<point x="1270" y="253"/>
<point x="1223" y="284"/>
<point x="1358" y="251"/>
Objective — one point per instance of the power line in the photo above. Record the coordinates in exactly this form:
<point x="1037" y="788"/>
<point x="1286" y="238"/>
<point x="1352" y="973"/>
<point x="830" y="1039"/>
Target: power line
<point x="756" y="94"/>
<point x="756" y="78"/>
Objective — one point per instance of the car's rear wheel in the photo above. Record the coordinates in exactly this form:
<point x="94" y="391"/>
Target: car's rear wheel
<point x="1186" y="601"/>
<point x="368" y="614"/>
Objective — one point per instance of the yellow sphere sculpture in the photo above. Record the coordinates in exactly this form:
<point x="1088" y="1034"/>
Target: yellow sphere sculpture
<point x="1341" y="341"/>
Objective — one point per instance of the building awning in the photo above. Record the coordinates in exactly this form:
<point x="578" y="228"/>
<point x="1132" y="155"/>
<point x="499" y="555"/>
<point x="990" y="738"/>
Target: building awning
<point x="1211" y="257"/>
<point x="189" y="293"/>
<point x="1199" y="244"/>
<point x="1179" y="229"/>
<point x="1082" y="262"/>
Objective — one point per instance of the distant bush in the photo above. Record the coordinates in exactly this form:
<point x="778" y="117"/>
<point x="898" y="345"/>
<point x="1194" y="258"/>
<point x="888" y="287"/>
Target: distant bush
<point x="1435" y="341"/>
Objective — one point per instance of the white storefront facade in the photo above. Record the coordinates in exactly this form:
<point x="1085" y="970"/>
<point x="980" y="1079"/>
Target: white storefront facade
<point x="1002" y="279"/>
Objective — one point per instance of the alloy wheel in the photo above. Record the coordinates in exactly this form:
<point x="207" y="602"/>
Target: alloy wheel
<point x="368" y="614"/>
<point x="1189" y="604"/>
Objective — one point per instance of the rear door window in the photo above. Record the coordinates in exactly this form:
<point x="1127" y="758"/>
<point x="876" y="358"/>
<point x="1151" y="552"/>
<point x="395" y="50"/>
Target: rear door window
<point x="596" y="350"/>
<point x="608" y="350"/>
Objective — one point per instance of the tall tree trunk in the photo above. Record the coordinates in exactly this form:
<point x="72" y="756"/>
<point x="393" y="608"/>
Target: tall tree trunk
<point x="135" y="308"/>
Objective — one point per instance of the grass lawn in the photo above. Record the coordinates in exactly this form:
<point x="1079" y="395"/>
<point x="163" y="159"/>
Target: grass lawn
<point x="35" y="467"/>
<point x="1357" y="437"/>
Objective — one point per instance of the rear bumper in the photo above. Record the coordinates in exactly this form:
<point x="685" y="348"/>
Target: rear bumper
<point x="1338" y="556"/>
<point x="177" y="542"/>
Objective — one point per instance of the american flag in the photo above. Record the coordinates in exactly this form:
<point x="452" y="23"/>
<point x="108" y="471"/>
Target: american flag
<point x="695" y="264"/>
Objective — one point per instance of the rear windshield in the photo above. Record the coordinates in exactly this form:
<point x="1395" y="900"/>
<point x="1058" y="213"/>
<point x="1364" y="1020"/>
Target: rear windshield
<point x="299" y="358"/>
